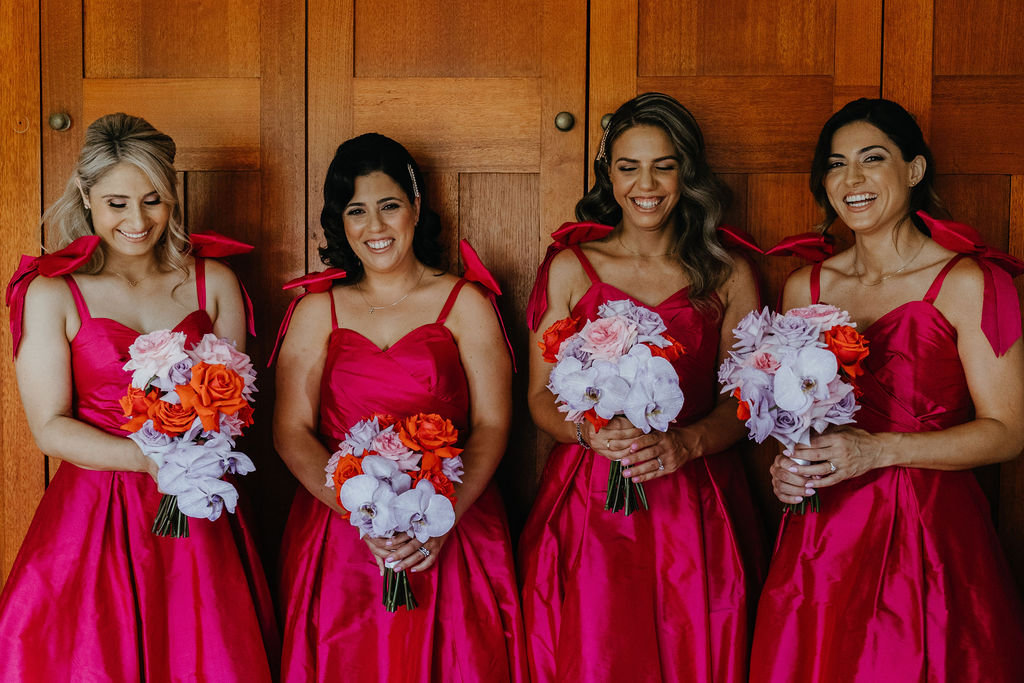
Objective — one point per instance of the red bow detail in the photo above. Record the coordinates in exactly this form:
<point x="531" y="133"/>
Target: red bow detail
<point x="475" y="271"/>
<point x="810" y="246"/>
<point x="312" y="282"/>
<point x="67" y="260"/>
<point x="566" y="236"/>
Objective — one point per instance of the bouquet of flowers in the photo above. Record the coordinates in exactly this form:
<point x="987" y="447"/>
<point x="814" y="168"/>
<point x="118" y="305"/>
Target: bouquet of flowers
<point x="397" y="475"/>
<point x="185" y="408"/>
<point x="618" y="364"/>
<point x="795" y="373"/>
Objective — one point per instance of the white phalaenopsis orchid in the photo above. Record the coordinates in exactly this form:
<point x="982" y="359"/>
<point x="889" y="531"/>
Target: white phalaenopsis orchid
<point x="370" y="502"/>
<point x="422" y="513"/>
<point x="207" y="498"/>
<point x="804" y="379"/>
<point x="654" y="398"/>
<point x="388" y="472"/>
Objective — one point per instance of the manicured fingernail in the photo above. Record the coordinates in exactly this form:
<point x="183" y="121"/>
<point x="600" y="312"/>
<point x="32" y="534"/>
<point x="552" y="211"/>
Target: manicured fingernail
<point x="627" y="474"/>
<point x="791" y="469"/>
<point x="388" y="543"/>
<point x="809" y="492"/>
<point x="636" y="480"/>
<point x="626" y="462"/>
<point x="633" y="448"/>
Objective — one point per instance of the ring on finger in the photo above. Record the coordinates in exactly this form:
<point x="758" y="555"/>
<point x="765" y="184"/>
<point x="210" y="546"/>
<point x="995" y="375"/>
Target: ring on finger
<point x="832" y="467"/>
<point x="661" y="465"/>
<point x="608" y="445"/>
<point x="425" y="551"/>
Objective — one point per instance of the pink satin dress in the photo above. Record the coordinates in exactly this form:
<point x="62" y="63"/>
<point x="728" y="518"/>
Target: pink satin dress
<point x="900" y="576"/>
<point x="94" y="595"/>
<point x="665" y="594"/>
<point x="468" y="625"/>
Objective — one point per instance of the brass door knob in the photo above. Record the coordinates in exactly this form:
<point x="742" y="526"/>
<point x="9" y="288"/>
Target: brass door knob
<point x="605" y="120"/>
<point x="564" y="121"/>
<point x="60" y="121"/>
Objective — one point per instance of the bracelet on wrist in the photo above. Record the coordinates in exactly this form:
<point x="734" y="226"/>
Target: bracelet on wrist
<point x="579" y="437"/>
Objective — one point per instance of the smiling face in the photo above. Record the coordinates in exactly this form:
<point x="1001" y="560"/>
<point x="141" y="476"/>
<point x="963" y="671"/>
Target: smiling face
<point x="868" y="183"/>
<point x="127" y="212"/>
<point x="644" y="172"/>
<point x="380" y="222"/>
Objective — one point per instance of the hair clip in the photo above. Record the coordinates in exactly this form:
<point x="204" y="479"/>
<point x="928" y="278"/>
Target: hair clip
<point x="604" y="140"/>
<point x="412" y="177"/>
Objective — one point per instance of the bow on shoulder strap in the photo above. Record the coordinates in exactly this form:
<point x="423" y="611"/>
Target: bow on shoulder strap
<point x="569" y="234"/>
<point x="59" y="263"/>
<point x="211" y="244"/>
<point x="810" y="246"/>
<point x="312" y="282"/>
<point x="475" y="271"/>
<point x="1000" y="312"/>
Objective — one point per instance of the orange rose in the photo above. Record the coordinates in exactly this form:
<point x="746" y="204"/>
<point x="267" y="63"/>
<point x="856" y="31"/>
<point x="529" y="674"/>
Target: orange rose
<point x="743" y="409"/>
<point x="442" y="484"/>
<point x="348" y="466"/>
<point x="556" y="334"/>
<point x="427" y="431"/>
<point x="213" y="389"/>
<point x="383" y="420"/>
<point x="171" y="418"/>
<point x="135" y="404"/>
<point x="849" y="347"/>
<point x="670" y="352"/>
<point x="595" y="419"/>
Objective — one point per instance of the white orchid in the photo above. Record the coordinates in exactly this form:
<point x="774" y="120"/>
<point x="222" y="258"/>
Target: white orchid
<point x="370" y="501"/>
<point x="804" y="379"/>
<point x="207" y="498"/>
<point x="654" y="398"/>
<point x="422" y="513"/>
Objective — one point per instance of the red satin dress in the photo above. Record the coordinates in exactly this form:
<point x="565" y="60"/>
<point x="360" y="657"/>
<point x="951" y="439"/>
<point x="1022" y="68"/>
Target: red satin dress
<point x="900" y="576"/>
<point x="94" y="595"/>
<point x="666" y="594"/>
<point x="467" y="625"/>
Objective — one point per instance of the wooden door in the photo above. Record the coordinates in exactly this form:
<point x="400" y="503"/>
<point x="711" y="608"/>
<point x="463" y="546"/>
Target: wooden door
<point x="226" y="80"/>
<point x="958" y="66"/>
<point x="472" y="90"/>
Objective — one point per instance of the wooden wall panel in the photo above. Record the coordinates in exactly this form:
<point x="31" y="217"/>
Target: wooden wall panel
<point x="495" y="208"/>
<point x="226" y="136"/>
<point x="975" y="123"/>
<point x="745" y="127"/>
<point x="136" y="39"/>
<point x="1011" y="475"/>
<point x="858" y="53"/>
<point x="907" y="57"/>
<point x="667" y="38"/>
<point x="495" y="128"/>
<point x="22" y="470"/>
<point x="437" y="38"/>
<point x="985" y="38"/>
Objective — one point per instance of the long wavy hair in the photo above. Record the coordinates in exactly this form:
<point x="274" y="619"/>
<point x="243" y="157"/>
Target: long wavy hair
<point x="121" y="139"/>
<point x="360" y="156"/>
<point x="899" y="126"/>
<point x="703" y="197"/>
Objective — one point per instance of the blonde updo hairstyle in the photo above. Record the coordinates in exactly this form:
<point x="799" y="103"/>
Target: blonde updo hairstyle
<point x="121" y="139"/>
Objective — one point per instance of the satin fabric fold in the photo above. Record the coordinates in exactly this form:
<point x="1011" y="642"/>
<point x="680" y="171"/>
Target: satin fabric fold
<point x="319" y="281"/>
<point x="476" y="271"/>
<point x="95" y="595"/>
<point x="900" y="576"/>
<point x="662" y="595"/>
<point x="468" y="625"/>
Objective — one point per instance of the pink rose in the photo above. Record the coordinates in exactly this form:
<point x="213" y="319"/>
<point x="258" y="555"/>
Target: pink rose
<point x="608" y="338"/>
<point x="762" y="360"/>
<point x="822" y="315"/>
<point x="388" y="444"/>
<point x="214" y="351"/>
<point x="153" y="355"/>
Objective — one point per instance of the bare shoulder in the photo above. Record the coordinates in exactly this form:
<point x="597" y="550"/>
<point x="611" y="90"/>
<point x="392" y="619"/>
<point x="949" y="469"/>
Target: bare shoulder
<point x="49" y="296"/>
<point x="312" y="312"/>
<point x="219" y="277"/>
<point x="962" y="294"/>
<point x="797" y="290"/>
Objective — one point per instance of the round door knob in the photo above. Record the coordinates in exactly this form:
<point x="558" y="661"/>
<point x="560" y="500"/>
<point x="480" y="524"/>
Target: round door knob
<point x="605" y="120"/>
<point x="564" y="121"/>
<point x="60" y="121"/>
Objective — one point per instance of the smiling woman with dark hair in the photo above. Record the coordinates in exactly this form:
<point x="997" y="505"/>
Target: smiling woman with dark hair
<point x="899" y="576"/>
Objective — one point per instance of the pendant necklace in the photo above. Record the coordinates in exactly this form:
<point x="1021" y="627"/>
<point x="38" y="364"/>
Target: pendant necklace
<point x="397" y="301"/>
<point x="132" y="283"/>
<point x="637" y="253"/>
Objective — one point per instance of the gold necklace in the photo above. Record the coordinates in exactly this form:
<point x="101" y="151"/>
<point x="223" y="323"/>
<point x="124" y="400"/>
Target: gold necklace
<point x="132" y="283"/>
<point x="397" y="301"/>
<point x="637" y="253"/>
<point x="859" y="273"/>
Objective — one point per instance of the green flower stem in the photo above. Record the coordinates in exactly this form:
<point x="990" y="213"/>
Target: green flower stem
<point x="397" y="591"/>
<point x="170" y="521"/>
<point x="810" y="502"/>
<point x="622" y="494"/>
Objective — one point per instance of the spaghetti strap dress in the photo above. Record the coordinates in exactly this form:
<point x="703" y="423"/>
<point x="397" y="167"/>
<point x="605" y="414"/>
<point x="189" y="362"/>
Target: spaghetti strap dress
<point x="899" y="576"/>
<point x="93" y="594"/>
<point x="468" y="624"/>
<point x="665" y="594"/>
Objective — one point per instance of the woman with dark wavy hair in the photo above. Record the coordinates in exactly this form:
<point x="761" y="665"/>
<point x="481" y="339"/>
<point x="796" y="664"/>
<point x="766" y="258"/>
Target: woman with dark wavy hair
<point x="900" y="576"/>
<point x="387" y="331"/>
<point x="662" y="594"/>
<point x="95" y="594"/>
